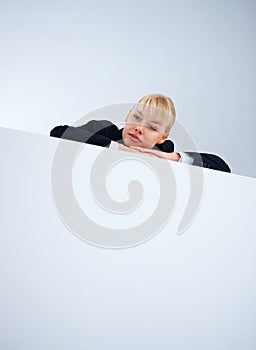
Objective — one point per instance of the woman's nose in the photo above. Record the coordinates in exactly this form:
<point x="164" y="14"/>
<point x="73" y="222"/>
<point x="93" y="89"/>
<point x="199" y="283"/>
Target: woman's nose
<point x="139" y="128"/>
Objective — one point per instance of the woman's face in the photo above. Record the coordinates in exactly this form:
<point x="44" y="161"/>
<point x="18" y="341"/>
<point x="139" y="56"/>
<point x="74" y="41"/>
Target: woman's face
<point x="142" y="130"/>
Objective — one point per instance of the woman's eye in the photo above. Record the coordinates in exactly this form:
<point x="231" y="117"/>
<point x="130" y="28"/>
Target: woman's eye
<point x="152" y="128"/>
<point x="136" y="117"/>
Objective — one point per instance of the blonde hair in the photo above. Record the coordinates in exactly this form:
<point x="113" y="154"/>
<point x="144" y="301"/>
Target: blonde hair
<point x="160" y="107"/>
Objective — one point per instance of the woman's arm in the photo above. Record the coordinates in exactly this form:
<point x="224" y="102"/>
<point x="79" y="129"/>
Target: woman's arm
<point x="206" y="160"/>
<point x="95" y="132"/>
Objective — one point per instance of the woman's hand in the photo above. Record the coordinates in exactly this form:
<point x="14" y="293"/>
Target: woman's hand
<point x="126" y="148"/>
<point x="136" y="150"/>
<point x="159" y="154"/>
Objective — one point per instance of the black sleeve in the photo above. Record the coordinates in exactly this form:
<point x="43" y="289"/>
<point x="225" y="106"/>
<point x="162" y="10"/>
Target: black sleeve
<point x="166" y="146"/>
<point x="210" y="161"/>
<point x="94" y="132"/>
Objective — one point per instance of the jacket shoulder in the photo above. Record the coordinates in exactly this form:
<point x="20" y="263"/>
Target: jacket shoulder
<point x="94" y="126"/>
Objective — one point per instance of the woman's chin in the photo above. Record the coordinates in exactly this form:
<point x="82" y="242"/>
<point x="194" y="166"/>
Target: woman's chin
<point x="128" y="142"/>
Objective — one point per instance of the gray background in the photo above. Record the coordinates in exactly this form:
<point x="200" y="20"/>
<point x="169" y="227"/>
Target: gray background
<point x="63" y="59"/>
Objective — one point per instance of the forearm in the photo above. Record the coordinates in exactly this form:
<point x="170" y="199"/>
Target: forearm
<point x="174" y="156"/>
<point x="77" y="134"/>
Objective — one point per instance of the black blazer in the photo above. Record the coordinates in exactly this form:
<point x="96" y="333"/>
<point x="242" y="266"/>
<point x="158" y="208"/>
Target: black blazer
<point x="102" y="132"/>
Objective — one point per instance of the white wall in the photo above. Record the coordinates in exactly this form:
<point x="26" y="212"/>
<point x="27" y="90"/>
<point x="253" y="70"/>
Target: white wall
<point x="63" y="59"/>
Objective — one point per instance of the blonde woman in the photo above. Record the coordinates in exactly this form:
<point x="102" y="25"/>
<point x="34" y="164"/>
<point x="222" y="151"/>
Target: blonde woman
<point x="146" y="130"/>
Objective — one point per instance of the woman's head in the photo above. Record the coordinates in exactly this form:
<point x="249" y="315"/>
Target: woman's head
<point x="160" y="107"/>
<point x="149" y="121"/>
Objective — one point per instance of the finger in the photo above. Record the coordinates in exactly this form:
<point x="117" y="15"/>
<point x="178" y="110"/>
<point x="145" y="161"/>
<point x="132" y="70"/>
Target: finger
<point x="138" y="148"/>
<point x="141" y="149"/>
<point x="150" y="154"/>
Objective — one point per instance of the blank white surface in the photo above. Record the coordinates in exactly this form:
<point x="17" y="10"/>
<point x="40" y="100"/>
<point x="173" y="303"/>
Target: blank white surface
<point x="194" y="291"/>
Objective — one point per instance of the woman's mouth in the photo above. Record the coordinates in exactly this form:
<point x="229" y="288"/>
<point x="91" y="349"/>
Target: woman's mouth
<point x="134" y="137"/>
